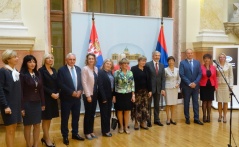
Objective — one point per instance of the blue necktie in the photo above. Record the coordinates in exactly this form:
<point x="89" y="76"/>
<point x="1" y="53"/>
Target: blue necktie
<point x="191" y="63"/>
<point x="73" y="77"/>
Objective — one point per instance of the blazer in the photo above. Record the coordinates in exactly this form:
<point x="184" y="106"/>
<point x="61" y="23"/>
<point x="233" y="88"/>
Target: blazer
<point x="157" y="81"/>
<point x="213" y="78"/>
<point x="49" y="81"/>
<point x="88" y="80"/>
<point x="172" y="78"/>
<point x="187" y="76"/>
<point x="10" y="91"/>
<point x="66" y="84"/>
<point x="31" y="92"/>
<point x="104" y="86"/>
<point x="227" y="71"/>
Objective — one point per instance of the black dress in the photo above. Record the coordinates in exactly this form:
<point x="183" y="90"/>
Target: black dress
<point x="207" y="92"/>
<point x="10" y="96"/>
<point x="50" y="86"/>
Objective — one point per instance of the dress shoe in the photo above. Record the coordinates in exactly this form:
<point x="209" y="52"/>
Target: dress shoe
<point x="107" y="134"/>
<point x="158" y="123"/>
<point x="65" y="141"/>
<point x="198" y="122"/>
<point x="172" y="122"/>
<point x="187" y="121"/>
<point x="77" y="137"/>
<point x="149" y="124"/>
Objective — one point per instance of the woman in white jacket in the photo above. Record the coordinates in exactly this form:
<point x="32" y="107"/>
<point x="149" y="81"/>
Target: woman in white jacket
<point x="171" y="87"/>
<point x="223" y="93"/>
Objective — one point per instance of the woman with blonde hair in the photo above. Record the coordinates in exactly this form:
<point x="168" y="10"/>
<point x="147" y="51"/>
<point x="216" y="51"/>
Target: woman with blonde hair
<point x="124" y="94"/>
<point x="105" y="86"/>
<point x="223" y="93"/>
<point x="51" y="94"/>
<point x="10" y="95"/>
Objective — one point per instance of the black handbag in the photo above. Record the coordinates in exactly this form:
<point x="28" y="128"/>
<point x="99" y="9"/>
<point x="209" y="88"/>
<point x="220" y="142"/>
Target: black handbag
<point x="114" y="121"/>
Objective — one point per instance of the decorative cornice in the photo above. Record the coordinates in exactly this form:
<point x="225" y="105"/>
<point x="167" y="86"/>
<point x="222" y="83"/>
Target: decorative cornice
<point x="232" y="27"/>
<point x="16" y="42"/>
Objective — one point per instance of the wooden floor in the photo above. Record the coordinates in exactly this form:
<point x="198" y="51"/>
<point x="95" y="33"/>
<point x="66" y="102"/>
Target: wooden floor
<point x="212" y="134"/>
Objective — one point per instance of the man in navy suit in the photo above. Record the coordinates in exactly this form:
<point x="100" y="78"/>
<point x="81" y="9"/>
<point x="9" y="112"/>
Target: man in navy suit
<point x="69" y="78"/>
<point x="190" y="73"/>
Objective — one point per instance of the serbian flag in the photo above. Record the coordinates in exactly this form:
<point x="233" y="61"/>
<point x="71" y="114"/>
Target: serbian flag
<point x="161" y="47"/>
<point x="94" y="45"/>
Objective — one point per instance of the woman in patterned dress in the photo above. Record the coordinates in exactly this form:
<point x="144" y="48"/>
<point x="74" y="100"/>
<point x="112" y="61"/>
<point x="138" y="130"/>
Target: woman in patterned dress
<point x="123" y="94"/>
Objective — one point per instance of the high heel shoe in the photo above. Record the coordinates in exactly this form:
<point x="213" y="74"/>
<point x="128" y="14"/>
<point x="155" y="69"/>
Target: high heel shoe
<point x="220" y="119"/>
<point x="173" y="122"/>
<point x="204" y="119"/>
<point x="224" y="120"/>
<point x="88" y="136"/>
<point x="44" y="141"/>
<point x="208" y="118"/>
<point x="167" y="122"/>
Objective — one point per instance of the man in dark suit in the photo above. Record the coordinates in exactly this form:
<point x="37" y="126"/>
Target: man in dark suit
<point x="190" y="73"/>
<point x="69" y="78"/>
<point x="157" y="74"/>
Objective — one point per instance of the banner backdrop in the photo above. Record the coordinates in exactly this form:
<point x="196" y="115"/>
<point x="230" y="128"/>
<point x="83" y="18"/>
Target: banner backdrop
<point x="117" y="34"/>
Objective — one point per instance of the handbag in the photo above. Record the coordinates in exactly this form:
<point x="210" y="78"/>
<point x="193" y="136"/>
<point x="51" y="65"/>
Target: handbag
<point x="114" y="121"/>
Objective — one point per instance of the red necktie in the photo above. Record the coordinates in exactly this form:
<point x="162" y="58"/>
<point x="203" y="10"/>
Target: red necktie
<point x="156" y="68"/>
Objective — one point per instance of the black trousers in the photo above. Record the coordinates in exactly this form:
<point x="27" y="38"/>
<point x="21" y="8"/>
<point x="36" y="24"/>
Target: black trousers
<point x="70" y="106"/>
<point x="105" y="113"/>
<point x="89" y="117"/>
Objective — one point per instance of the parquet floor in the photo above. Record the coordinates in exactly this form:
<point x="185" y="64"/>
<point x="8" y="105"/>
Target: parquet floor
<point x="212" y="134"/>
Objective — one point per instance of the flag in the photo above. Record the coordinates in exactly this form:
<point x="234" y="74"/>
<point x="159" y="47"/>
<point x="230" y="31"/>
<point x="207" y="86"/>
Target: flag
<point x="94" y="45"/>
<point x="161" y="47"/>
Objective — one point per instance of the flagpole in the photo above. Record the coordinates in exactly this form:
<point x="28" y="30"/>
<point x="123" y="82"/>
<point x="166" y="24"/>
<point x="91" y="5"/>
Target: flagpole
<point x="93" y="16"/>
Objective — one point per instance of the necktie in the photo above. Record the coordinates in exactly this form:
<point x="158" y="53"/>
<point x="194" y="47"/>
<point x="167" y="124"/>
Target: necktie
<point x="156" y="68"/>
<point x="73" y="77"/>
<point x="191" y="63"/>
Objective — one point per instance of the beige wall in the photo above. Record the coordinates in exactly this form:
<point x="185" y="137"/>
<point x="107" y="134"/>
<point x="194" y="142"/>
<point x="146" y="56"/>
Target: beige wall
<point x="192" y="21"/>
<point x="35" y="19"/>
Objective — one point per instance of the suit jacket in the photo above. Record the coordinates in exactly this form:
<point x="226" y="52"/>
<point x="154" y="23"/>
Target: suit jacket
<point x="88" y="80"/>
<point x="227" y="71"/>
<point x="104" y="86"/>
<point x="66" y="84"/>
<point x="213" y="77"/>
<point x="31" y="92"/>
<point x="187" y="76"/>
<point x="158" y="81"/>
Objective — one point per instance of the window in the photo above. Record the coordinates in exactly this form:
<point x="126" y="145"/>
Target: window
<point x="57" y="25"/>
<point x="126" y="7"/>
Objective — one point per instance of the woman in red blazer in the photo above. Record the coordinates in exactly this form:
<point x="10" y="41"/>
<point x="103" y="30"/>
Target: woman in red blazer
<point x="208" y="84"/>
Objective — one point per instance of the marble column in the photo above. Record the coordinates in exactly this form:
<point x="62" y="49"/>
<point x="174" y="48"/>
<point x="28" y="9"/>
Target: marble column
<point x="212" y="16"/>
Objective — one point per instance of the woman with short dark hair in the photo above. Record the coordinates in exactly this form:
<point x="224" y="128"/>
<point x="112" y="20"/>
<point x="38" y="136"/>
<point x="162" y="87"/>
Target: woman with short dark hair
<point x="171" y="87"/>
<point x="208" y="84"/>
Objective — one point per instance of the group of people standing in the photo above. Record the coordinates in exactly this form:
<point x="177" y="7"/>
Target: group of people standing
<point x="32" y="94"/>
